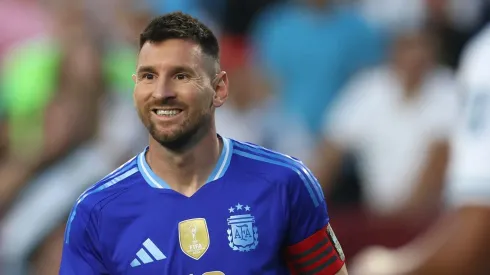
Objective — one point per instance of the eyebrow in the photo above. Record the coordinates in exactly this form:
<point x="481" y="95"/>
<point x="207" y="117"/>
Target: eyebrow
<point x="186" y="69"/>
<point x="146" y="69"/>
<point x="151" y="69"/>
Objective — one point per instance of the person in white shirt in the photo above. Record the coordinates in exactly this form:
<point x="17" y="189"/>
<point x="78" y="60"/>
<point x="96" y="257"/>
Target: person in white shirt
<point x="460" y="242"/>
<point x="396" y="119"/>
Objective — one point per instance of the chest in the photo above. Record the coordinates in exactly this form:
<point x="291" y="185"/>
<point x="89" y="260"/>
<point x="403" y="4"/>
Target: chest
<point x="390" y="122"/>
<point x="219" y="230"/>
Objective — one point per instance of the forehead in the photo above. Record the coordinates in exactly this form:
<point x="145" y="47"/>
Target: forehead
<point x="170" y="53"/>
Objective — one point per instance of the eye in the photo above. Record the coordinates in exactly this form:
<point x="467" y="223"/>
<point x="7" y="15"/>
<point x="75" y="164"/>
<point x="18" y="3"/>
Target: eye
<point x="148" y="76"/>
<point x="181" y="76"/>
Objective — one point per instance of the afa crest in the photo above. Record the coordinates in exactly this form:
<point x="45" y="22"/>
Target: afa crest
<point x="243" y="235"/>
<point x="194" y="237"/>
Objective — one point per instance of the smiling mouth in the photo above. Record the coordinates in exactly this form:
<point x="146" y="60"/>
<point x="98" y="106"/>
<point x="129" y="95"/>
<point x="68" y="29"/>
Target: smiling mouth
<point x="166" y="112"/>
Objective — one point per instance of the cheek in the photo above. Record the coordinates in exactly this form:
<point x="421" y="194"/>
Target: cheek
<point x="197" y="99"/>
<point x="206" y="101"/>
<point x="140" y="98"/>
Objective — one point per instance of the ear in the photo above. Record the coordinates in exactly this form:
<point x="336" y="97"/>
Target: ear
<point x="221" y="89"/>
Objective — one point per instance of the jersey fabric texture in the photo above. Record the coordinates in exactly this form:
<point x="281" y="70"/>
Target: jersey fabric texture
<point x="260" y="212"/>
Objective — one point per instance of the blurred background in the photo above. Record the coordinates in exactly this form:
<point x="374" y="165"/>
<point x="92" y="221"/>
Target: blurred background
<point x="365" y="92"/>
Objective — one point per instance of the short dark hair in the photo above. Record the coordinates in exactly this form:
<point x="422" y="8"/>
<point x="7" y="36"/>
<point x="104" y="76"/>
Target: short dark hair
<point x="178" y="25"/>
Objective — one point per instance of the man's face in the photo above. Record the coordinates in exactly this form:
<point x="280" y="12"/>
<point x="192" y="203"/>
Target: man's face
<point x="414" y="53"/>
<point x="173" y="91"/>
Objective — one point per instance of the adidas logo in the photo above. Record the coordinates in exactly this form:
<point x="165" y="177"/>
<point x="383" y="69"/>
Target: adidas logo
<point x="142" y="256"/>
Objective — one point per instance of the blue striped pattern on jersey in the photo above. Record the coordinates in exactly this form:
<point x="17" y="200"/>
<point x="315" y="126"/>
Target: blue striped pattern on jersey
<point x="223" y="161"/>
<point x="261" y="154"/>
<point x="121" y="169"/>
<point x="130" y="164"/>
<point x="117" y="177"/>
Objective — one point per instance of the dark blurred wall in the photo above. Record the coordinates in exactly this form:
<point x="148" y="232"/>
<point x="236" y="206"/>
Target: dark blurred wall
<point x="238" y="15"/>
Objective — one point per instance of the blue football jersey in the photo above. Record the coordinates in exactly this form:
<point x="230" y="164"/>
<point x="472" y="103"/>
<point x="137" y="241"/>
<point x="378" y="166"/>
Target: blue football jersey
<point x="260" y="212"/>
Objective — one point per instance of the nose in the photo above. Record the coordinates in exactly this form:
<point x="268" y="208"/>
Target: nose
<point x="164" y="90"/>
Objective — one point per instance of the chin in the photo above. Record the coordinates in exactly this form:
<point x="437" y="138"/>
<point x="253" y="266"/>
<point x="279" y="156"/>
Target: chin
<point x="167" y="135"/>
<point x="179" y="136"/>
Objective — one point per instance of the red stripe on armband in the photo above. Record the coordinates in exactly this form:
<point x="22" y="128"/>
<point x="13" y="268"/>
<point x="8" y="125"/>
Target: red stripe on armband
<point x="318" y="254"/>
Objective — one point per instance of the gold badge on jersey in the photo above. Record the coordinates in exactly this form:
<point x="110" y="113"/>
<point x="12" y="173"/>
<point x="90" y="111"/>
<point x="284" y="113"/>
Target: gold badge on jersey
<point x="194" y="237"/>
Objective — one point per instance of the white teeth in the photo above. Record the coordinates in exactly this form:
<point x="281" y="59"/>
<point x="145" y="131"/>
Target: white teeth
<point x="167" y="112"/>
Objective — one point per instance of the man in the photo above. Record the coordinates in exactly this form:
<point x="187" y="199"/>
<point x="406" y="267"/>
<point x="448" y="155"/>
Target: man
<point x="254" y="211"/>
<point x="327" y="35"/>
<point x="460" y="242"/>
<point x="396" y="119"/>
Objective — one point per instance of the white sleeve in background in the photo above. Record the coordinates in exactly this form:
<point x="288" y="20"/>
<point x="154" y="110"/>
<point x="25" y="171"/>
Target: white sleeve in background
<point x="469" y="172"/>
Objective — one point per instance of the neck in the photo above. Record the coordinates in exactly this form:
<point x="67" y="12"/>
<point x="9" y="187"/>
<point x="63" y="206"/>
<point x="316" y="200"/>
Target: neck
<point x="185" y="171"/>
<point x="411" y="83"/>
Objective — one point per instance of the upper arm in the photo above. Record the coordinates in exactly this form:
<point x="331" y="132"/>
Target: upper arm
<point x="80" y="247"/>
<point x="458" y="244"/>
<point x="311" y="243"/>
<point x="473" y="225"/>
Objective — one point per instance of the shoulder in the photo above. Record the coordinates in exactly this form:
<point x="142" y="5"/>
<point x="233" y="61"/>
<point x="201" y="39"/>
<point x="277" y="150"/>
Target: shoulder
<point x="261" y="159"/>
<point x="478" y="46"/>
<point x="85" y="209"/>
<point x="476" y="59"/>
<point x="119" y="180"/>
<point x="368" y="87"/>
<point x="442" y="84"/>
<point x="373" y="77"/>
<point x="278" y="168"/>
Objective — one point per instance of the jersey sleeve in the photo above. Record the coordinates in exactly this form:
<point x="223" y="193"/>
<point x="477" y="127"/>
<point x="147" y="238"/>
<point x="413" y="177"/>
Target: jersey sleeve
<point x="80" y="253"/>
<point x="312" y="247"/>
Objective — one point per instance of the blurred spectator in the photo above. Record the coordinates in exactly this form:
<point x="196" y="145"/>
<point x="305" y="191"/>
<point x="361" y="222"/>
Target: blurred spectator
<point x="67" y="118"/>
<point x="455" y="20"/>
<point x="397" y="120"/>
<point x="87" y="128"/>
<point x="14" y="30"/>
<point x="309" y="49"/>
<point x="41" y="109"/>
<point x="51" y="86"/>
<point x="467" y="215"/>
<point x="3" y="129"/>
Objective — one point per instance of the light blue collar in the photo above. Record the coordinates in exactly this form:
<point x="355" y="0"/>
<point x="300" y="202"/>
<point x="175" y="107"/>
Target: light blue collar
<point x="219" y="170"/>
